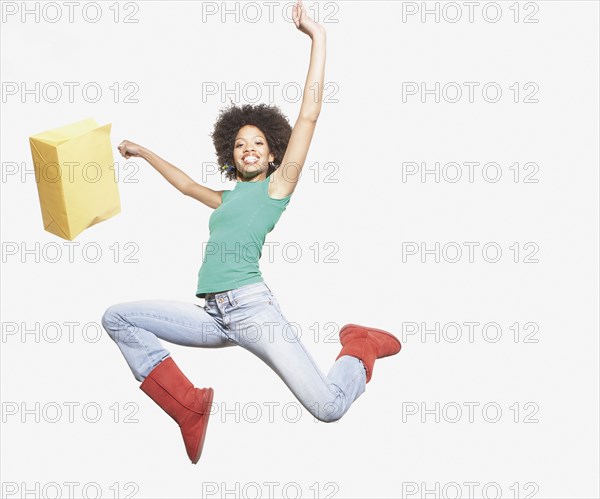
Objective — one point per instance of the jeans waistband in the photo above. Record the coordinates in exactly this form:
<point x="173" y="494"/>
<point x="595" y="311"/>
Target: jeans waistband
<point x="247" y="289"/>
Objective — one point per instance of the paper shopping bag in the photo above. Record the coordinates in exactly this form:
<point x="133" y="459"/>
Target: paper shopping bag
<point x="75" y="176"/>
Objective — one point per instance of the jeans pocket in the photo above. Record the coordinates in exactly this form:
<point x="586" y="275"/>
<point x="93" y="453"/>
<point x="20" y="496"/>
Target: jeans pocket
<point x="253" y="299"/>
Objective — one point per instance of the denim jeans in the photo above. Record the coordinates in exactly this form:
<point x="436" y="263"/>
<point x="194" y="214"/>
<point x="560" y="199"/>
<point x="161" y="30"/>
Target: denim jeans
<point x="248" y="316"/>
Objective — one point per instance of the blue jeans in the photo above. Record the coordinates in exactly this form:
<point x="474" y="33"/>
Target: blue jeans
<point x="248" y="316"/>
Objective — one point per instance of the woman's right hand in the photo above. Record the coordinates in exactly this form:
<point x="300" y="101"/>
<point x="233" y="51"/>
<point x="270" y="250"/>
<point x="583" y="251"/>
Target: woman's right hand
<point x="128" y="149"/>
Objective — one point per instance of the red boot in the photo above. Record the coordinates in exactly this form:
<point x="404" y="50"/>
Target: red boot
<point x="187" y="405"/>
<point x="367" y="344"/>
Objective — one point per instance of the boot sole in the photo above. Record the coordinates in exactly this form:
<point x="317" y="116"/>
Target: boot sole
<point x="207" y="403"/>
<point x="344" y="333"/>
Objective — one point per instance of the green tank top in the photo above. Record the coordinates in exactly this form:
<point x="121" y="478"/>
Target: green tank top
<point x="238" y="228"/>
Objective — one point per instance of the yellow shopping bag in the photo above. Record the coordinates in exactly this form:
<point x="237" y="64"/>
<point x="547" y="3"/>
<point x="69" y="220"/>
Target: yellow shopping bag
<point x="74" y="171"/>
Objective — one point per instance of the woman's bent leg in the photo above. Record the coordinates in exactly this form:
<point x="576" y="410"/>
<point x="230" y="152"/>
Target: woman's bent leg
<point x="137" y="326"/>
<point x="258" y="325"/>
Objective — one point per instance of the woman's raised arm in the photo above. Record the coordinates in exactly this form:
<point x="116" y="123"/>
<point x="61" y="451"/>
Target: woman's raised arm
<point x="287" y="175"/>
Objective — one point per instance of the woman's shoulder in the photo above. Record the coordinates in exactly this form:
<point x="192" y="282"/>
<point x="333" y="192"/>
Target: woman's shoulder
<point x="273" y="190"/>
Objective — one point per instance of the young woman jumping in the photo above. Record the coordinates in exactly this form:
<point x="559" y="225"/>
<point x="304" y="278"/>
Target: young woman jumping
<point x="257" y="148"/>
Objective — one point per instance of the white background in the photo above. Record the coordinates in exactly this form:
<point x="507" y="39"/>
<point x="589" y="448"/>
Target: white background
<point x="369" y="213"/>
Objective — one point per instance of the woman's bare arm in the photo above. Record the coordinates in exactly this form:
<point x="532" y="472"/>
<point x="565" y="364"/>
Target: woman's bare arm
<point x="177" y="178"/>
<point x="286" y="177"/>
<point x="209" y="197"/>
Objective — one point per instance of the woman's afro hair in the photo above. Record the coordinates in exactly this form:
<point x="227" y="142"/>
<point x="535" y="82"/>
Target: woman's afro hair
<point x="269" y="119"/>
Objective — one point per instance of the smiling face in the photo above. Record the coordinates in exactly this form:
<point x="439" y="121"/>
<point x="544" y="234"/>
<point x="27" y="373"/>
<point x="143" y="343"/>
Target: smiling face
<point x="251" y="154"/>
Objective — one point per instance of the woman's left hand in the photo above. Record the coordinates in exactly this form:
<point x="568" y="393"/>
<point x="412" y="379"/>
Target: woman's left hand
<point x="304" y="22"/>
